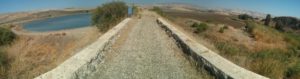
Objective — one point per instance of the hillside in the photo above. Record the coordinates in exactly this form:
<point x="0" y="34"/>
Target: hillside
<point x="263" y="49"/>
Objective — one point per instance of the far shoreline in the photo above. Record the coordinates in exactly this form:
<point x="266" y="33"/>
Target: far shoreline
<point x="19" y="30"/>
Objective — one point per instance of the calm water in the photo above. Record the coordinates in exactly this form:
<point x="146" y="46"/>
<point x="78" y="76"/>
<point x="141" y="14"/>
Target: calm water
<point x="59" y="23"/>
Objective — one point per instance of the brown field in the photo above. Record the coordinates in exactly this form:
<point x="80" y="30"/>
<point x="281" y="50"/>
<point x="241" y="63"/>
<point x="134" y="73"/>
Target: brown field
<point x="265" y="53"/>
<point x="206" y="17"/>
<point x="31" y="55"/>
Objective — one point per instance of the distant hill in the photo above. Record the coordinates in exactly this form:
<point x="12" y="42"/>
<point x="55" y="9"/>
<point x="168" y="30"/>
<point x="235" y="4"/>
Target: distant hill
<point x="222" y="11"/>
<point x="238" y="12"/>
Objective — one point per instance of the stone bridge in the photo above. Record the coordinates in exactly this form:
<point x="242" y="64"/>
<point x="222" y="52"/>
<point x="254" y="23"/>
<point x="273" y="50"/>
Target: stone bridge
<point x="147" y="48"/>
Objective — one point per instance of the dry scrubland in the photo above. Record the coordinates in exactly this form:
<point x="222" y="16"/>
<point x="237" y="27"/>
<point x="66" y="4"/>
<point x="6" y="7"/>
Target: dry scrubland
<point x="31" y="54"/>
<point x="262" y="49"/>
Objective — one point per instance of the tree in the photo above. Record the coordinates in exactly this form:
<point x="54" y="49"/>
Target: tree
<point x="267" y="20"/>
<point x="109" y="14"/>
<point x="279" y="26"/>
<point x="289" y="22"/>
<point x="6" y="36"/>
<point x="245" y="17"/>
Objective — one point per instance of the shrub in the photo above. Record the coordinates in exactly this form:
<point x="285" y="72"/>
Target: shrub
<point x="245" y="17"/>
<point x="194" y="25"/>
<point x="200" y="27"/>
<point x="294" y="71"/>
<point x="279" y="26"/>
<point x="290" y="22"/>
<point x="268" y="20"/>
<point x="158" y="10"/>
<point x="6" y="36"/>
<point x="109" y="14"/>
<point x="249" y="27"/>
<point x="135" y="10"/>
<point x="221" y="30"/>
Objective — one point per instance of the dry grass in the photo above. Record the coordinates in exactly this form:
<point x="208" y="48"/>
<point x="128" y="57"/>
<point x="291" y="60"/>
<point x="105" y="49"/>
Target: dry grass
<point x="206" y="17"/>
<point x="33" y="55"/>
<point x="3" y="64"/>
<point x="264" y="50"/>
<point x="269" y="67"/>
<point x="268" y="38"/>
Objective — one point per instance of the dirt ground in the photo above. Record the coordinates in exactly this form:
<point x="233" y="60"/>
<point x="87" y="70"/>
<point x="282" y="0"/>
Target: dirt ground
<point x="35" y="53"/>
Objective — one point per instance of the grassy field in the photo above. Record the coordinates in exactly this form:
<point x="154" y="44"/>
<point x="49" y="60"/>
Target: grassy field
<point x="250" y="44"/>
<point x="6" y="38"/>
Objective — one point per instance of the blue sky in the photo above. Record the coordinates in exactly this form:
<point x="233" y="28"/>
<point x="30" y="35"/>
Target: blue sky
<point x="275" y="7"/>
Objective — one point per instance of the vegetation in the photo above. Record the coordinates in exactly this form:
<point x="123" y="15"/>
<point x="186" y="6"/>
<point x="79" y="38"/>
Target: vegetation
<point x="277" y="57"/>
<point x="245" y="17"/>
<point x="279" y="26"/>
<point x="275" y="62"/>
<point x="3" y="64"/>
<point x="158" y="11"/>
<point x="200" y="27"/>
<point x="227" y="48"/>
<point x="109" y="14"/>
<point x="221" y="30"/>
<point x="249" y="28"/>
<point x="135" y="11"/>
<point x="268" y="20"/>
<point x="6" y="36"/>
<point x="294" y="71"/>
<point x="267" y="51"/>
<point x="289" y="22"/>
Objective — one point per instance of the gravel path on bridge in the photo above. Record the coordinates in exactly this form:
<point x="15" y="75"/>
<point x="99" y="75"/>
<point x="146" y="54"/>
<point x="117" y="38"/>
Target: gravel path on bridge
<point x="147" y="53"/>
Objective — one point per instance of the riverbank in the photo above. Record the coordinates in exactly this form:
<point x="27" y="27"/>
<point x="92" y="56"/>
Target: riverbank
<point x="22" y="17"/>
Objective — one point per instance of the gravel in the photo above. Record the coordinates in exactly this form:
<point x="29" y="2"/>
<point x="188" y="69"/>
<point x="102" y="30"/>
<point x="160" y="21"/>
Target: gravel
<point x="147" y="53"/>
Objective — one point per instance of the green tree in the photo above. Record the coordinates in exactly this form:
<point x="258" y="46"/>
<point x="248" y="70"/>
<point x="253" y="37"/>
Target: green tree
<point x="245" y="17"/>
<point x="6" y="36"/>
<point x="200" y="27"/>
<point x="279" y="25"/>
<point x="268" y="20"/>
<point x="109" y="14"/>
